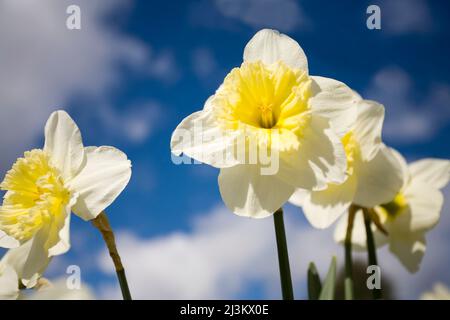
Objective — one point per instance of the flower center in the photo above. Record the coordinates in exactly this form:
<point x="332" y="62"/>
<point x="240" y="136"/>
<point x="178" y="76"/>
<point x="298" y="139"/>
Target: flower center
<point x="394" y="208"/>
<point x="351" y="148"/>
<point x="267" y="118"/>
<point x="35" y="196"/>
<point x="262" y="99"/>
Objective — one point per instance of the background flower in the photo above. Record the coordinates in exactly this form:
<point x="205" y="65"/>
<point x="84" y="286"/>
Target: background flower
<point x="374" y="175"/>
<point x="413" y="212"/>
<point x="45" y="186"/>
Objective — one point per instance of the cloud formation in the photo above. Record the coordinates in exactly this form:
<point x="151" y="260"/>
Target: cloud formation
<point x="409" y="119"/>
<point x="45" y="66"/>
<point x="224" y="256"/>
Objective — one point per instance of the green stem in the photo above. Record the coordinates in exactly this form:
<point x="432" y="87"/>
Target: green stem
<point x="283" y="257"/>
<point x="349" y="288"/>
<point x="123" y="284"/>
<point x="102" y="224"/>
<point x="371" y="249"/>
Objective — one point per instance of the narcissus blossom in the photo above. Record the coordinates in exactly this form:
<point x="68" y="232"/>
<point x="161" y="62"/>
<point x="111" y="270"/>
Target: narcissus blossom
<point x="46" y="185"/>
<point x="374" y="175"/>
<point x="409" y="215"/>
<point x="272" y="105"/>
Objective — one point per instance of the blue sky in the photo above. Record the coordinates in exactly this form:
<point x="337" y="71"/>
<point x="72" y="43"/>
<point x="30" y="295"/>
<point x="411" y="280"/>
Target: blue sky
<point x="137" y="68"/>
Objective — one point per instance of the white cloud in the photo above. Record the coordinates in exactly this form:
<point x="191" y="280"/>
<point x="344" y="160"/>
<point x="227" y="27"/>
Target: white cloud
<point x="223" y="256"/>
<point x="409" y="118"/>
<point x="44" y="66"/>
<point x="406" y="16"/>
<point x="163" y="66"/>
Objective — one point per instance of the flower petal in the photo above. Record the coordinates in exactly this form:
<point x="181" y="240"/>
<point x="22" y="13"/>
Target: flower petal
<point x="409" y="249"/>
<point x="30" y="259"/>
<point x="199" y="137"/>
<point x="368" y="127"/>
<point x="102" y="179"/>
<point x="423" y="211"/>
<point x="379" y="180"/>
<point x="320" y="159"/>
<point x="434" y="172"/>
<point x="322" y="208"/>
<point x="270" y="46"/>
<point x="63" y="244"/>
<point x="299" y="197"/>
<point x="9" y="283"/>
<point x="335" y="101"/>
<point x="7" y="241"/>
<point x="248" y="193"/>
<point x="64" y="144"/>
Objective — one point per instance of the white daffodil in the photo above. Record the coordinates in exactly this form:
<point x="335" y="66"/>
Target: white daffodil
<point x="407" y="217"/>
<point x="374" y="175"/>
<point x="272" y="105"/>
<point x="46" y="185"/>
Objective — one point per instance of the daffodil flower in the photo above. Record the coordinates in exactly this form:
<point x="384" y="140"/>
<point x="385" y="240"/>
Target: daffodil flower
<point x="412" y="212"/>
<point x="46" y="185"/>
<point x="271" y="103"/>
<point x="374" y="175"/>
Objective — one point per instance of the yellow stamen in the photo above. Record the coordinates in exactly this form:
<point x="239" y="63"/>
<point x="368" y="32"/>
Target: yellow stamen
<point x="35" y="196"/>
<point x="393" y="209"/>
<point x="262" y="99"/>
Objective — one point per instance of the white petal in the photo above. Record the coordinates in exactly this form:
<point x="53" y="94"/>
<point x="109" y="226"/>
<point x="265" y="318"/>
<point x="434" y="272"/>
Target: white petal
<point x="408" y="249"/>
<point x="320" y="160"/>
<point x="335" y="101"/>
<point x="424" y="208"/>
<point x="9" y="283"/>
<point x="379" y="180"/>
<point x="298" y="197"/>
<point x="105" y="175"/>
<point x="359" y="239"/>
<point x="200" y="137"/>
<point x="64" y="144"/>
<point x="434" y="172"/>
<point x="30" y="259"/>
<point x="368" y="127"/>
<point x="63" y="244"/>
<point x="323" y="208"/>
<point x="248" y="193"/>
<point x="270" y="46"/>
<point x="403" y="165"/>
<point x="7" y="241"/>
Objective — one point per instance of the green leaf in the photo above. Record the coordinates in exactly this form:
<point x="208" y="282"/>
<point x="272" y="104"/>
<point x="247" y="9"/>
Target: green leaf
<point x="330" y="282"/>
<point x="314" y="283"/>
